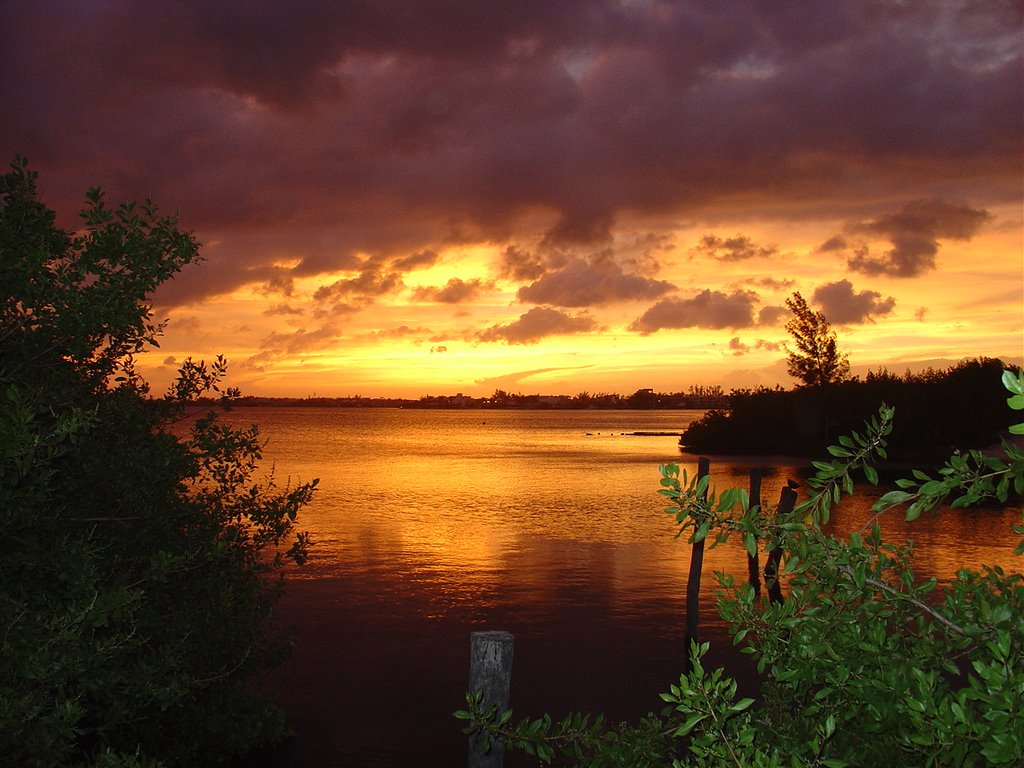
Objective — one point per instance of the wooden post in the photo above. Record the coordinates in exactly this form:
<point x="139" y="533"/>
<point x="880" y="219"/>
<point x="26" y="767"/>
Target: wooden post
<point x="753" y="566"/>
<point x="490" y="673"/>
<point x="787" y="500"/>
<point x="693" y="582"/>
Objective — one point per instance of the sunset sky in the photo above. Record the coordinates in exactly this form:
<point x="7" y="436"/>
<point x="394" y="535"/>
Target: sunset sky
<point x="400" y="198"/>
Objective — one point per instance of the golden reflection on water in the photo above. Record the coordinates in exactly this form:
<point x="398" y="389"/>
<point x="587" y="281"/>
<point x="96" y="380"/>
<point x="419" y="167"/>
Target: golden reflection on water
<point x="431" y="524"/>
<point x="481" y="506"/>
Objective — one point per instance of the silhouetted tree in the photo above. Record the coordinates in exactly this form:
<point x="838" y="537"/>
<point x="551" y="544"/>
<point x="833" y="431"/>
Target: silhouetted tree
<point x="816" y="361"/>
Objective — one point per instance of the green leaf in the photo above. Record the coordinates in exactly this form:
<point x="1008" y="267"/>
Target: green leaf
<point x="871" y="474"/>
<point x="750" y="542"/>
<point x="701" y="533"/>
<point x="914" y="510"/>
<point x="890" y="499"/>
<point x="1013" y="382"/>
<point x="741" y="705"/>
<point x="689" y="724"/>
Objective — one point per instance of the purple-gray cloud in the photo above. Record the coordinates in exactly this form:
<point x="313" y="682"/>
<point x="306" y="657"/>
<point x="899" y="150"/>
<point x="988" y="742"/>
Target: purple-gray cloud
<point x="455" y="291"/>
<point x="413" y="261"/>
<point x="707" y="309"/>
<point x="300" y="340"/>
<point x="738" y="248"/>
<point x="369" y="284"/>
<point x="324" y="131"/>
<point x="772" y="315"/>
<point x="588" y="283"/>
<point x="842" y="305"/>
<point x="914" y="232"/>
<point x="536" y="324"/>
<point x="522" y="265"/>
<point x="737" y="348"/>
<point x="282" y="309"/>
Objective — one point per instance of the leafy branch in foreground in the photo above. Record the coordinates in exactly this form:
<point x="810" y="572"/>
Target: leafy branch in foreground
<point x="973" y="476"/>
<point x="704" y="719"/>
<point x="862" y="663"/>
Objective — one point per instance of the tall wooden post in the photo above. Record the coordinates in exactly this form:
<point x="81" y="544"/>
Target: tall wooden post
<point x="490" y="673"/>
<point x="753" y="566"/>
<point x="787" y="500"/>
<point x="693" y="582"/>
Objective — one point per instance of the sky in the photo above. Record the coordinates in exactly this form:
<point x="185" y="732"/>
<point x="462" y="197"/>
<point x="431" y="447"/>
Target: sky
<point x="399" y="198"/>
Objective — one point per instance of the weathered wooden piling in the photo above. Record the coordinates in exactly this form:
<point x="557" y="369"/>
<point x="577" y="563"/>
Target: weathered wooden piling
<point x="490" y="674"/>
<point x="787" y="500"/>
<point x="753" y="566"/>
<point x="693" y="581"/>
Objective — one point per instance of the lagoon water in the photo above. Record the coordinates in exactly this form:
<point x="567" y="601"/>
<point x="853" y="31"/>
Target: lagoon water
<point x="431" y="524"/>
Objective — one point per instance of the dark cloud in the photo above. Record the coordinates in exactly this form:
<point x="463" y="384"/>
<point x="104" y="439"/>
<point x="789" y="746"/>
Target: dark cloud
<point x="737" y="347"/>
<point x="914" y="231"/>
<point x="738" y="248"/>
<point x="578" y="227"/>
<point x="536" y="324"/>
<point x="413" y="261"/>
<point x="280" y="282"/>
<point x="841" y="305"/>
<point x="771" y="283"/>
<point x="772" y="315"/>
<point x="455" y="291"/>
<point x="520" y="264"/>
<point x="300" y="340"/>
<point x="398" y="332"/>
<point x="364" y="288"/>
<point x="282" y="309"/>
<point x="708" y="309"/>
<point x="588" y="283"/>
<point x="835" y="243"/>
<point x="320" y="130"/>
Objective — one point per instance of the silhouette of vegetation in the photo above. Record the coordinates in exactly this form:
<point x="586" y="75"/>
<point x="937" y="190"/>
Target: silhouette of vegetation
<point x="862" y="662"/>
<point x="938" y="410"/>
<point x="141" y="556"/>
<point x="695" y="396"/>
<point x="816" y="361"/>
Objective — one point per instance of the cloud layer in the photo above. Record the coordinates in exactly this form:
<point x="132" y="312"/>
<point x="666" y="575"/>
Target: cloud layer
<point x="339" y="159"/>
<point x="381" y="129"/>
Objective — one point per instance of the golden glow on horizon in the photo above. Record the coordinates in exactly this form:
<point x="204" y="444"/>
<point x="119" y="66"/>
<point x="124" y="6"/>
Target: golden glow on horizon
<point x="393" y="345"/>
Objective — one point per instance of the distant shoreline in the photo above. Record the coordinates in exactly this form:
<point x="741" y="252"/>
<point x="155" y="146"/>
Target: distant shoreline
<point x="645" y="400"/>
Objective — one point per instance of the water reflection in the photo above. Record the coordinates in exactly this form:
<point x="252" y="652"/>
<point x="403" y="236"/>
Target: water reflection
<point x="430" y="524"/>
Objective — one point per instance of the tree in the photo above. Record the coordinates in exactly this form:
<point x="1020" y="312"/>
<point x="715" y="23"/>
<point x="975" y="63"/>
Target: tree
<point x="141" y="555"/>
<point x="816" y="361"/>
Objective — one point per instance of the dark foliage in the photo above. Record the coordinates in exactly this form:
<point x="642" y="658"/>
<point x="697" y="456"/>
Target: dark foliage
<point x="938" y="411"/>
<point x="137" y="564"/>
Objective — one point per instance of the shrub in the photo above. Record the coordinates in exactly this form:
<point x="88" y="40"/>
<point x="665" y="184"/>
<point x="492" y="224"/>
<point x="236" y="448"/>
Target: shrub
<point x="139" y="567"/>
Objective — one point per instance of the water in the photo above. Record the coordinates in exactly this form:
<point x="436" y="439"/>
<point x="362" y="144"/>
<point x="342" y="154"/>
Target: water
<point x="433" y="524"/>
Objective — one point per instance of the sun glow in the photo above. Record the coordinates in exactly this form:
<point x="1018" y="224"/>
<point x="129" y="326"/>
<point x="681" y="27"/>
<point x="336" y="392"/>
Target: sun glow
<point x="454" y="323"/>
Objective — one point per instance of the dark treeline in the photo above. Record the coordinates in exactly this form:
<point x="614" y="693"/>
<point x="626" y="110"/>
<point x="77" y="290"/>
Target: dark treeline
<point x="937" y="411"/>
<point x="695" y="397"/>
